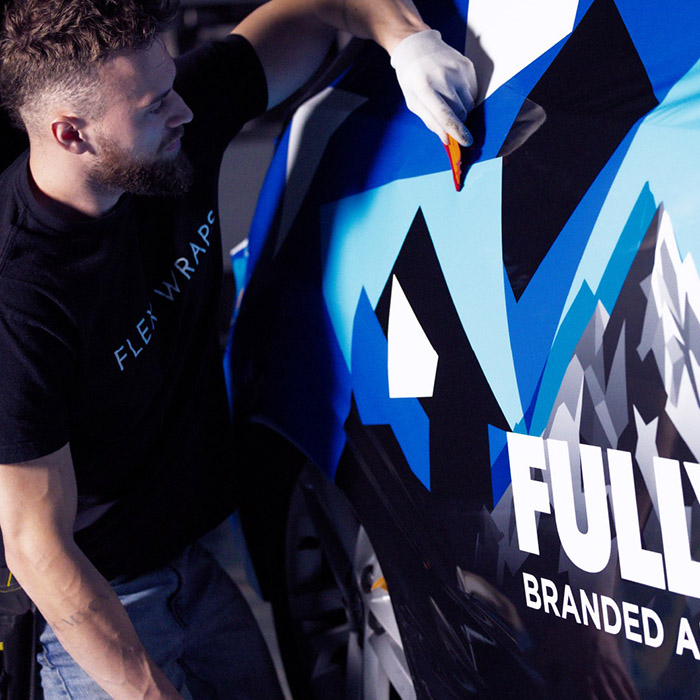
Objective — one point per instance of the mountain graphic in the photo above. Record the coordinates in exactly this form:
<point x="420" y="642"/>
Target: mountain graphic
<point x="632" y="385"/>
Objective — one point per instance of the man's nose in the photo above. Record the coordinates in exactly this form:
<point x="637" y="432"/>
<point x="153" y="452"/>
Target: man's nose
<point x="180" y="112"/>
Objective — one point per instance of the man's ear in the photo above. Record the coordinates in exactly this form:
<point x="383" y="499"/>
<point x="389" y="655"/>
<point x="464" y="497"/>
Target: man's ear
<point x="68" y="134"/>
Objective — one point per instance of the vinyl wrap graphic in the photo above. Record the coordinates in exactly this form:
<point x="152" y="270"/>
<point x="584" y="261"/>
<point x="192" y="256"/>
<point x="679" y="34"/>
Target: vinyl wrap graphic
<point x="505" y="380"/>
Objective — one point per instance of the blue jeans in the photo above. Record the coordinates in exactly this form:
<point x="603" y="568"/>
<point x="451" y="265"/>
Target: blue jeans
<point x="196" y="625"/>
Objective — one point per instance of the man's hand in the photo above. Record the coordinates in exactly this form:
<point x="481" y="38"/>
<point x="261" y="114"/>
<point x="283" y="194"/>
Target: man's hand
<point x="438" y="83"/>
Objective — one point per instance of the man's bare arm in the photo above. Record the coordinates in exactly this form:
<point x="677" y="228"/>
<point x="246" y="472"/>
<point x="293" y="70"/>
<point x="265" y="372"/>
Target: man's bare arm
<point x="37" y="511"/>
<point x="291" y="38"/>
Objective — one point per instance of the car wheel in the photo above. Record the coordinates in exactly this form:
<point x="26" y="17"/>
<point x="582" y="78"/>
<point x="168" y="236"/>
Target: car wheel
<point x="339" y="608"/>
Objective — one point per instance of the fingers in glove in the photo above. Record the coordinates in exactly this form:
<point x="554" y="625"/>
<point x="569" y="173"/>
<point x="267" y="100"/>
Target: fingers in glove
<point x="449" y="123"/>
<point x="438" y="82"/>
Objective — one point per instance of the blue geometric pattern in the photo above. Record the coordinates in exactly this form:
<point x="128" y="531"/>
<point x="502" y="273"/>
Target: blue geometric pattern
<point x="546" y="322"/>
<point x="523" y="345"/>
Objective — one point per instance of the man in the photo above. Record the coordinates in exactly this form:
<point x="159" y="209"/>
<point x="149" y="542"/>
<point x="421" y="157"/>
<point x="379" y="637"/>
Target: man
<point x="115" y="452"/>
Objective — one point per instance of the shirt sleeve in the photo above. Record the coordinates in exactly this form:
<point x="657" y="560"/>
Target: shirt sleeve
<point x="36" y="374"/>
<point x="223" y="83"/>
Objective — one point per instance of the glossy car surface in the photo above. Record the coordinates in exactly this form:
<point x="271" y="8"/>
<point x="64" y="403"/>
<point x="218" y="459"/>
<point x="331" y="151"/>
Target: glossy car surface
<point x="503" y="381"/>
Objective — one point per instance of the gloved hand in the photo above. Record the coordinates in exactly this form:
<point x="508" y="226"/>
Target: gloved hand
<point x="438" y="83"/>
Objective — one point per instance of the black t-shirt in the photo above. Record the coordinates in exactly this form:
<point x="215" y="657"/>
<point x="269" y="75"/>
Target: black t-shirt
<point x="108" y="338"/>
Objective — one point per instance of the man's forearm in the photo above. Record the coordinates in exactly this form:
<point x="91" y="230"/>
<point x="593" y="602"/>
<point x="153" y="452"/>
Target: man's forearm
<point x="292" y="36"/>
<point x="91" y="624"/>
<point x="387" y="22"/>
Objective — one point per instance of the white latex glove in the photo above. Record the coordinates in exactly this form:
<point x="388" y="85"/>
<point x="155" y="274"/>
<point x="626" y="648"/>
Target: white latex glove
<point x="438" y="83"/>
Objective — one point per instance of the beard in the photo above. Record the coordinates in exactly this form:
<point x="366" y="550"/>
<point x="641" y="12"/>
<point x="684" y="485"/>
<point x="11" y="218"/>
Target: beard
<point x="158" y="176"/>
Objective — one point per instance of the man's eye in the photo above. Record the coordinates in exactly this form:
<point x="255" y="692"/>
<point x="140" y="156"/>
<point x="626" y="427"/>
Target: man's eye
<point x="157" y="108"/>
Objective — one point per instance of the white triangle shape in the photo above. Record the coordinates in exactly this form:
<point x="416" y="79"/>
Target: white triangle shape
<point x="412" y="360"/>
<point x="505" y="36"/>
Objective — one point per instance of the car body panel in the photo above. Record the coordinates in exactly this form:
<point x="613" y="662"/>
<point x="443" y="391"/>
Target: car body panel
<point x="503" y="379"/>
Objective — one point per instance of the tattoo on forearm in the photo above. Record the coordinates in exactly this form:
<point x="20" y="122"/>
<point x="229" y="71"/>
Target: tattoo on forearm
<point x="80" y="616"/>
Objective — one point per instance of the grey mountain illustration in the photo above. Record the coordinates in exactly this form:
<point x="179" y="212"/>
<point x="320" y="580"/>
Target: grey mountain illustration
<point x="632" y="385"/>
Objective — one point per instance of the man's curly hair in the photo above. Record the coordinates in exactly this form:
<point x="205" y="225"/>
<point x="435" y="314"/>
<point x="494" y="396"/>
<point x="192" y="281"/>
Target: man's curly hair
<point x="55" y="46"/>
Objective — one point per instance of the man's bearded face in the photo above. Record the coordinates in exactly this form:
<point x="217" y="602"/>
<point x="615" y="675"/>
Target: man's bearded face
<point x="168" y="172"/>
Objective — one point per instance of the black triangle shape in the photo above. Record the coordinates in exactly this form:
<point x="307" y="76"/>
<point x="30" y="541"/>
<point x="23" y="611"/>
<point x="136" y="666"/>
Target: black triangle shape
<point x="463" y="404"/>
<point x="593" y="93"/>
